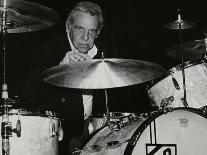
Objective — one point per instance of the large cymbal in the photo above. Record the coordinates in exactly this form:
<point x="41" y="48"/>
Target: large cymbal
<point x="102" y="74"/>
<point x="192" y="50"/>
<point x="24" y="16"/>
<point x="179" y="24"/>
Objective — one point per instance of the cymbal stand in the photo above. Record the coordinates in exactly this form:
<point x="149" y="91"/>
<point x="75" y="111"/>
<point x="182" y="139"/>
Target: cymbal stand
<point x="106" y="101"/>
<point x="107" y="108"/>
<point x="5" y="125"/>
<point x="204" y="54"/>
<point x="182" y="61"/>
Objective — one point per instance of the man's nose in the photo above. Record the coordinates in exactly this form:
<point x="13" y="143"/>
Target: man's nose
<point x="85" y="35"/>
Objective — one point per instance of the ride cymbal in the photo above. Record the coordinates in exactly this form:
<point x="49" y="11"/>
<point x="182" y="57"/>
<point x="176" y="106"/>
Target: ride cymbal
<point x="102" y="73"/>
<point x="191" y="50"/>
<point x="24" y="16"/>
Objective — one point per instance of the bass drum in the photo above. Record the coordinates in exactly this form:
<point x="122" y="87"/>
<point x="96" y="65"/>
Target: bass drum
<point x="33" y="133"/>
<point x="178" y="132"/>
<point x="168" y="92"/>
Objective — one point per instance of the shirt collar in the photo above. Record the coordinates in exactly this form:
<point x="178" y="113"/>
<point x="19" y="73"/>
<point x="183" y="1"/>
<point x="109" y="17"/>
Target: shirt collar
<point x="92" y="52"/>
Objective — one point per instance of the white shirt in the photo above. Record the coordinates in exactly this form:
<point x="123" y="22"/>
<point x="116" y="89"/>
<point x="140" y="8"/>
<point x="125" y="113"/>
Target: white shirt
<point x="87" y="97"/>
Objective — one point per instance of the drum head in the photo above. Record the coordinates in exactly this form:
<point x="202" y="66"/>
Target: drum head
<point x="182" y="131"/>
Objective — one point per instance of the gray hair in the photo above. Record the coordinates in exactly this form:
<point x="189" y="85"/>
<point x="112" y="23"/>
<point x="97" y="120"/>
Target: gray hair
<point x="86" y="7"/>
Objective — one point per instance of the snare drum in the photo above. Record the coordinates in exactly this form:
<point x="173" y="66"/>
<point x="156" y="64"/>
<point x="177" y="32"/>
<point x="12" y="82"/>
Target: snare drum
<point x="179" y="132"/>
<point x="39" y="134"/>
<point x="168" y="92"/>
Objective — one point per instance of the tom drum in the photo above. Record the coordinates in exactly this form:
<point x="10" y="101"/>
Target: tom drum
<point x="169" y="92"/>
<point x="36" y="134"/>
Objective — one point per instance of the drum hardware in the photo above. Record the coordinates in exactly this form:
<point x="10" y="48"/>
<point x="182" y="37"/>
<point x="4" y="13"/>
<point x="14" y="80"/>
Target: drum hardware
<point x="175" y="82"/>
<point x="204" y="55"/>
<point x="166" y="102"/>
<point x="204" y="110"/>
<point x="179" y="24"/>
<point x="107" y="146"/>
<point x="17" y="17"/>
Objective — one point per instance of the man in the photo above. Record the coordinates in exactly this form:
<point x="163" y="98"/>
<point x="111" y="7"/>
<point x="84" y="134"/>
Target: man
<point x="83" y="25"/>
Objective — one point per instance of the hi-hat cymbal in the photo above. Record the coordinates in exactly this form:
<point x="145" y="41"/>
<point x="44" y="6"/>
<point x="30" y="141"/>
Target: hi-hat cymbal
<point x="191" y="50"/>
<point x="179" y="24"/>
<point x="102" y="74"/>
<point x="24" y="16"/>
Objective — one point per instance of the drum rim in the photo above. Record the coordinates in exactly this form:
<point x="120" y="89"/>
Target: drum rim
<point x="187" y="64"/>
<point x="117" y="114"/>
<point x="91" y="136"/>
<point x="129" y="148"/>
<point x="26" y="112"/>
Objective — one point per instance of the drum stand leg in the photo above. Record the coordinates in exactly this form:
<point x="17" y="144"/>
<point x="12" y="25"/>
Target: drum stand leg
<point x="184" y="100"/>
<point x="6" y="128"/>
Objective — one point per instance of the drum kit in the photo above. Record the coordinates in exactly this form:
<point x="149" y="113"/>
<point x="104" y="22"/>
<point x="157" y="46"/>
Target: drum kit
<point x="178" y="93"/>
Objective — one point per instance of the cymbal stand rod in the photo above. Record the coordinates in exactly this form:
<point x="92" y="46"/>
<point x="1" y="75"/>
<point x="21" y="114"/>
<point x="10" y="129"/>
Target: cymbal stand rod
<point x="107" y="108"/>
<point x="182" y="61"/>
<point x="5" y="125"/>
<point x="204" y="55"/>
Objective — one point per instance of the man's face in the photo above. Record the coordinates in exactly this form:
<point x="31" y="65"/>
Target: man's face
<point x="83" y="31"/>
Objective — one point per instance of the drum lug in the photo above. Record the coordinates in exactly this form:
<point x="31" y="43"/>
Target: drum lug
<point x="56" y="132"/>
<point x="17" y="130"/>
<point x="204" y="110"/>
<point x="166" y="102"/>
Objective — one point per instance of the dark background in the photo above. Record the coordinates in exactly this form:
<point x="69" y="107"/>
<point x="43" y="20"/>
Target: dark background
<point x="132" y="29"/>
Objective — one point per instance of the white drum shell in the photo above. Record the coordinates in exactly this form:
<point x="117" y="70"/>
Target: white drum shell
<point x="196" y="86"/>
<point x="38" y="135"/>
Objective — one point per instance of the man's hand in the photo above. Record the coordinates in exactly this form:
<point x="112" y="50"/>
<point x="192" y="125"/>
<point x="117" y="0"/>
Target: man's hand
<point x="74" y="56"/>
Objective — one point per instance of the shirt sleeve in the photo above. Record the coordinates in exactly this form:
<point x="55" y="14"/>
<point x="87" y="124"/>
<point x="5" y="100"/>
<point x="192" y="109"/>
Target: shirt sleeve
<point x="87" y="104"/>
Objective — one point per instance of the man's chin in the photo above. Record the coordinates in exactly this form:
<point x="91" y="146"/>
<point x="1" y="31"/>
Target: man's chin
<point x="83" y="50"/>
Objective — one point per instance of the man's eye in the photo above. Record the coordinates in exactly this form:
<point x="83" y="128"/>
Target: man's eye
<point x="78" y="28"/>
<point x="94" y="31"/>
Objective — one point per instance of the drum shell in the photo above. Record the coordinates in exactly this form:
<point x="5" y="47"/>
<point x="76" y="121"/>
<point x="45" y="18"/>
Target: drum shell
<point x="39" y="133"/>
<point x="98" y="121"/>
<point x="182" y="131"/>
<point x="164" y="89"/>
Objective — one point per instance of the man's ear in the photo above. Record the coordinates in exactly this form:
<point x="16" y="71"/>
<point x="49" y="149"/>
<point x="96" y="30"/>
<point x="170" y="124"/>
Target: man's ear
<point x="68" y="27"/>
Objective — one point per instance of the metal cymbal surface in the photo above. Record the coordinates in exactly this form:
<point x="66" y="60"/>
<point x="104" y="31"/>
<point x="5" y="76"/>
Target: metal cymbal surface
<point x="102" y="73"/>
<point x="192" y="50"/>
<point x="24" y="16"/>
<point x="179" y="25"/>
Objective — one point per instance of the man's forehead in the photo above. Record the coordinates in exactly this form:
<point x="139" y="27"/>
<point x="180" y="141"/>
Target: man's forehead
<point x="86" y="20"/>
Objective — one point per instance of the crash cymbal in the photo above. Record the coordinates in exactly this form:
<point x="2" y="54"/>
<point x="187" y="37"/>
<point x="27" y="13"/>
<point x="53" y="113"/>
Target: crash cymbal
<point x="102" y="74"/>
<point x="24" y="16"/>
<point x="192" y="50"/>
<point x="179" y="24"/>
